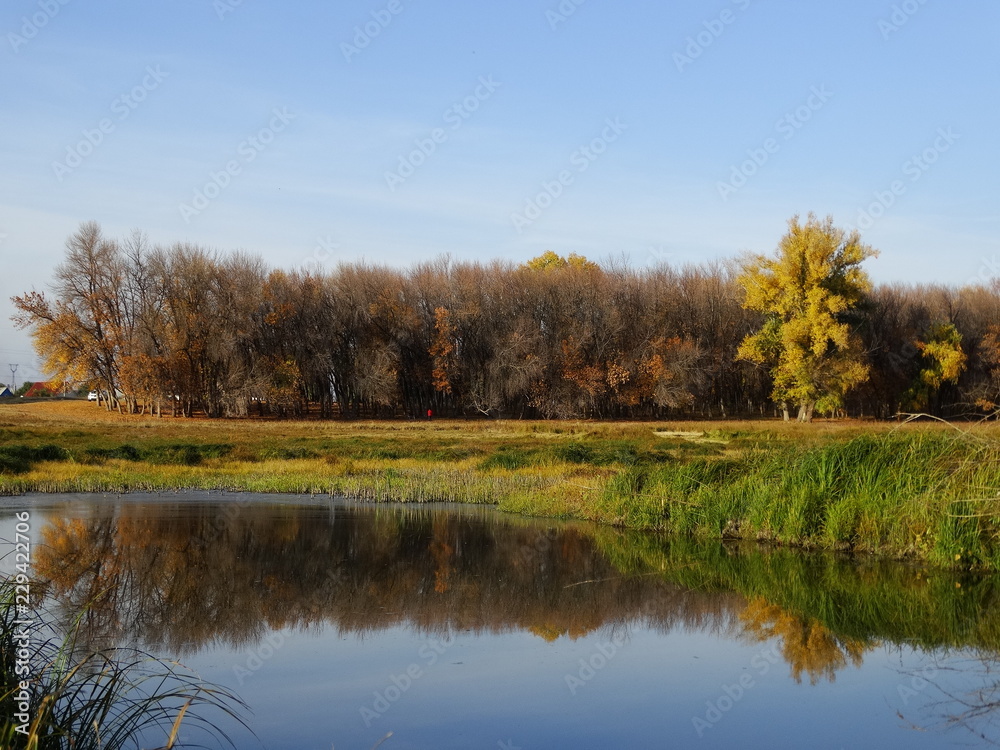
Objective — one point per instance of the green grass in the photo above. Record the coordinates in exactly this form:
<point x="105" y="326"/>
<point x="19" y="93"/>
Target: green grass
<point x="927" y="492"/>
<point x="61" y="696"/>
<point x="928" y="495"/>
<point x="18" y="458"/>
<point x="872" y="602"/>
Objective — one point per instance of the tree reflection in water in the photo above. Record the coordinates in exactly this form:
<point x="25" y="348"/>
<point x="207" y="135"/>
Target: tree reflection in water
<point x="180" y="580"/>
<point x="941" y="691"/>
<point x="178" y="576"/>
<point x="806" y="644"/>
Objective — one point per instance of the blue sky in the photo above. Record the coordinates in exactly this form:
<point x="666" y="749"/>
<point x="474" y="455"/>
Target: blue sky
<point x="683" y="131"/>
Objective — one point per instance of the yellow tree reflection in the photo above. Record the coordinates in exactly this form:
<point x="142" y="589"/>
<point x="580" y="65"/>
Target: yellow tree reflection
<point x="807" y="645"/>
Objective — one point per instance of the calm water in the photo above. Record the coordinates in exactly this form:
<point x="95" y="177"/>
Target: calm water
<point x="463" y="628"/>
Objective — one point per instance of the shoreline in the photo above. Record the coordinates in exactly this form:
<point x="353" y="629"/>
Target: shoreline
<point x="923" y="492"/>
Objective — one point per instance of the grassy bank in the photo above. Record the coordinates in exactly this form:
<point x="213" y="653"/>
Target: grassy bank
<point x="929" y="492"/>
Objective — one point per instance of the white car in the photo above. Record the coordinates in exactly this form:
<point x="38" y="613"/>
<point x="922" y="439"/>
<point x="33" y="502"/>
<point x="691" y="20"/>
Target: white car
<point x="92" y="396"/>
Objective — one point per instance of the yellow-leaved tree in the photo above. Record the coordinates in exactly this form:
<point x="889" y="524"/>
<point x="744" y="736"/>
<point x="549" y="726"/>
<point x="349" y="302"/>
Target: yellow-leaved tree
<point x="549" y="260"/>
<point x="944" y="361"/>
<point x="807" y="293"/>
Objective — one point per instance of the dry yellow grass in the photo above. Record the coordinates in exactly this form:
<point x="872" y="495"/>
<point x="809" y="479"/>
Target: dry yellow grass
<point x="855" y="484"/>
<point x="75" y="414"/>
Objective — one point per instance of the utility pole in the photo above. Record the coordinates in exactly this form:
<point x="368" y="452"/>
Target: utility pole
<point x="13" y="377"/>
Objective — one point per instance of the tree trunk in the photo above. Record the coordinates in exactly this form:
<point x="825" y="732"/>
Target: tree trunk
<point x="806" y="411"/>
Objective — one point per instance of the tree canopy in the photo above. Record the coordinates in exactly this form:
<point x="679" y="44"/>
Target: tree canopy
<point x="184" y="330"/>
<point x="808" y="293"/>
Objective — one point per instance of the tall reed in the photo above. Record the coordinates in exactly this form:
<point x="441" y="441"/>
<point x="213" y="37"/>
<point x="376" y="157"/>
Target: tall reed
<point x="104" y="699"/>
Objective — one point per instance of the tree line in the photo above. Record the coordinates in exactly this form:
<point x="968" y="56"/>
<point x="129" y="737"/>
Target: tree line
<point x="183" y="330"/>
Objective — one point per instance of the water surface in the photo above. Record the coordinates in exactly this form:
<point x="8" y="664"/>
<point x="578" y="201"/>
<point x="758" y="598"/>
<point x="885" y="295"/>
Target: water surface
<point x="339" y="623"/>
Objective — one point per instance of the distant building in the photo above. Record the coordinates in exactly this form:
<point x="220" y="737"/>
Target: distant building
<point x="42" y="388"/>
<point x="6" y="392"/>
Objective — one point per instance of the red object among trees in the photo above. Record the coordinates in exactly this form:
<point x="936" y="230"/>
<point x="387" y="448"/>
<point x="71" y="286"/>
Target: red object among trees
<point x="42" y="388"/>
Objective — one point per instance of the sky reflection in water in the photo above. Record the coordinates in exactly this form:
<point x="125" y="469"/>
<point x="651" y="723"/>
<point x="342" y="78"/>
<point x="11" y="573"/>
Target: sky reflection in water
<point x="462" y="628"/>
